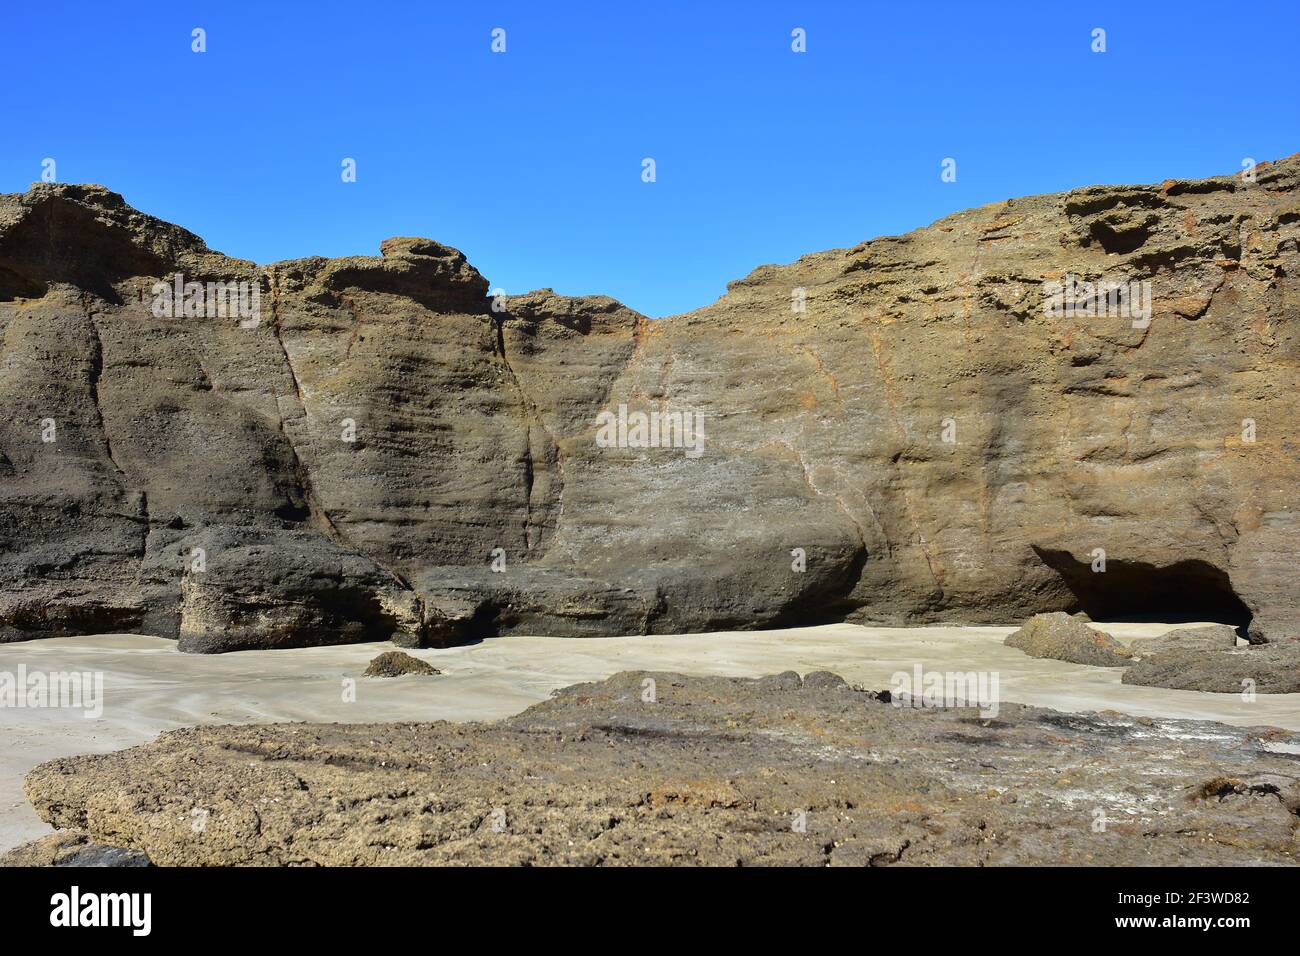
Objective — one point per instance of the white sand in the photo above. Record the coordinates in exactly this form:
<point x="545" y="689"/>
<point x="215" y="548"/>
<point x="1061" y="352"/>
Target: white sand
<point x="150" y="687"/>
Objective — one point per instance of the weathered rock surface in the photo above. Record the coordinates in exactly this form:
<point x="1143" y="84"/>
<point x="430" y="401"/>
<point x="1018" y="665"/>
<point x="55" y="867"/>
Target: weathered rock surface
<point x="1216" y="637"/>
<point x="929" y="441"/>
<point x="657" y="768"/>
<point x="397" y="663"/>
<point x="1064" y="638"/>
<point x="1267" y="669"/>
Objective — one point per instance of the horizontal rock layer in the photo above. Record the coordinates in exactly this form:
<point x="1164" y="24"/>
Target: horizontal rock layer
<point x="381" y="450"/>
<point x="658" y="768"/>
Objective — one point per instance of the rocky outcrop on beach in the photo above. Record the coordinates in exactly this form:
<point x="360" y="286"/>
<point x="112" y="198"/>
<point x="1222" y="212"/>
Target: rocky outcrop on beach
<point x="657" y="768"/>
<point x="1190" y="658"/>
<point x="1212" y="637"/>
<point x="910" y="430"/>
<point x="1064" y="638"/>
<point x="1267" y="669"/>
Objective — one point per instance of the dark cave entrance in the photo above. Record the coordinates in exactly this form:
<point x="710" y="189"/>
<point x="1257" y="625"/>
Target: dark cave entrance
<point x="1135" y="591"/>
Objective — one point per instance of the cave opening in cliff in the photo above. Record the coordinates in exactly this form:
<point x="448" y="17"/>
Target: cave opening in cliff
<point x="1181" y="592"/>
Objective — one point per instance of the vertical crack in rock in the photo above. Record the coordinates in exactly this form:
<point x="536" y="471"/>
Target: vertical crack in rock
<point x="274" y="290"/>
<point x="532" y="541"/>
<point x="640" y="333"/>
<point x="96" y="375"/>
<point x="319" y="517"/>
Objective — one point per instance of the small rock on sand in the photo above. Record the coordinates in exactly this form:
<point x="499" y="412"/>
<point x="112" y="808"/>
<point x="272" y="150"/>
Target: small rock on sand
<point x="1059" y="636"/>
<point x="397" y="663"/>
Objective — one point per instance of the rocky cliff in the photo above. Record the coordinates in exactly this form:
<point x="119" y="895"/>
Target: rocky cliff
<point x="327" y="450"/>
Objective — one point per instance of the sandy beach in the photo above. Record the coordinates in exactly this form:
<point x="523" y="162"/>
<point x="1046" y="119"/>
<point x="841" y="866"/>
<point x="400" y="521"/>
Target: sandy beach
<point x="150" y="687"/>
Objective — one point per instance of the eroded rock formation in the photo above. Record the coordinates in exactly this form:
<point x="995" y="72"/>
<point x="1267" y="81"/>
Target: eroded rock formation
<point x="929" y="442"/>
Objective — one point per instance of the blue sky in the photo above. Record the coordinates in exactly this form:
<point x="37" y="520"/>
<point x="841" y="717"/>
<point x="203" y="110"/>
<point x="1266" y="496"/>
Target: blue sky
<point x="530" y="161"/>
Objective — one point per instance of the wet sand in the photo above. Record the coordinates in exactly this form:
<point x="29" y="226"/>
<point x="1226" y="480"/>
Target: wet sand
<point x="150" y="687"/>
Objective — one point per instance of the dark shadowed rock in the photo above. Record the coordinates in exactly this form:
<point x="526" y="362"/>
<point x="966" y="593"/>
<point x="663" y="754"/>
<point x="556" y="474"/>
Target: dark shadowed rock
<point x="397" y="663"/>
<point x="1266" y="669"/>
<point x="385" y="452"/>
<point x="1064" y="638"/>
<point x="71" y="848"/>
<point x="716" y="771"/>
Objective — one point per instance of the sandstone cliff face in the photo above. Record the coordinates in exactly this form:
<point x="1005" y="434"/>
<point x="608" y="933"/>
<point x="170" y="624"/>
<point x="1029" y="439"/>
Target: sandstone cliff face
<point x="382" y="450"/>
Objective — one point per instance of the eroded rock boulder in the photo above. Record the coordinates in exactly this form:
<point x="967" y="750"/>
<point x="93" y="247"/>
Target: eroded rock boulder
<point x="289" y="589"/>
<point x="1064" y="638"/>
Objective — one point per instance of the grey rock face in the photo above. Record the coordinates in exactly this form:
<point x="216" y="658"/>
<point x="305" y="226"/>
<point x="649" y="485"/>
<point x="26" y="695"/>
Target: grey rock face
<point x="288" y="589"/>
<point x="1064" y="638"/>
<point x="383" y="451"/>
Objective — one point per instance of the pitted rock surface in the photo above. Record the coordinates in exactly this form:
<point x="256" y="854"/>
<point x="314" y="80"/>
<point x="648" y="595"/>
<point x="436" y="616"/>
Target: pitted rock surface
<point x="658" y="768"/>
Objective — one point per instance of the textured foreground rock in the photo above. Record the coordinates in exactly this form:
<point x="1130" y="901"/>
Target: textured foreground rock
<point x="1064" y="638"/>
<point x="657" y="768"/>
<point x="376" y="451"/>
<point x="71" y="848"/>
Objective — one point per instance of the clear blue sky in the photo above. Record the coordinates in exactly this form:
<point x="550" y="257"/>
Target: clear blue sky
<point x="530" y="161"/>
